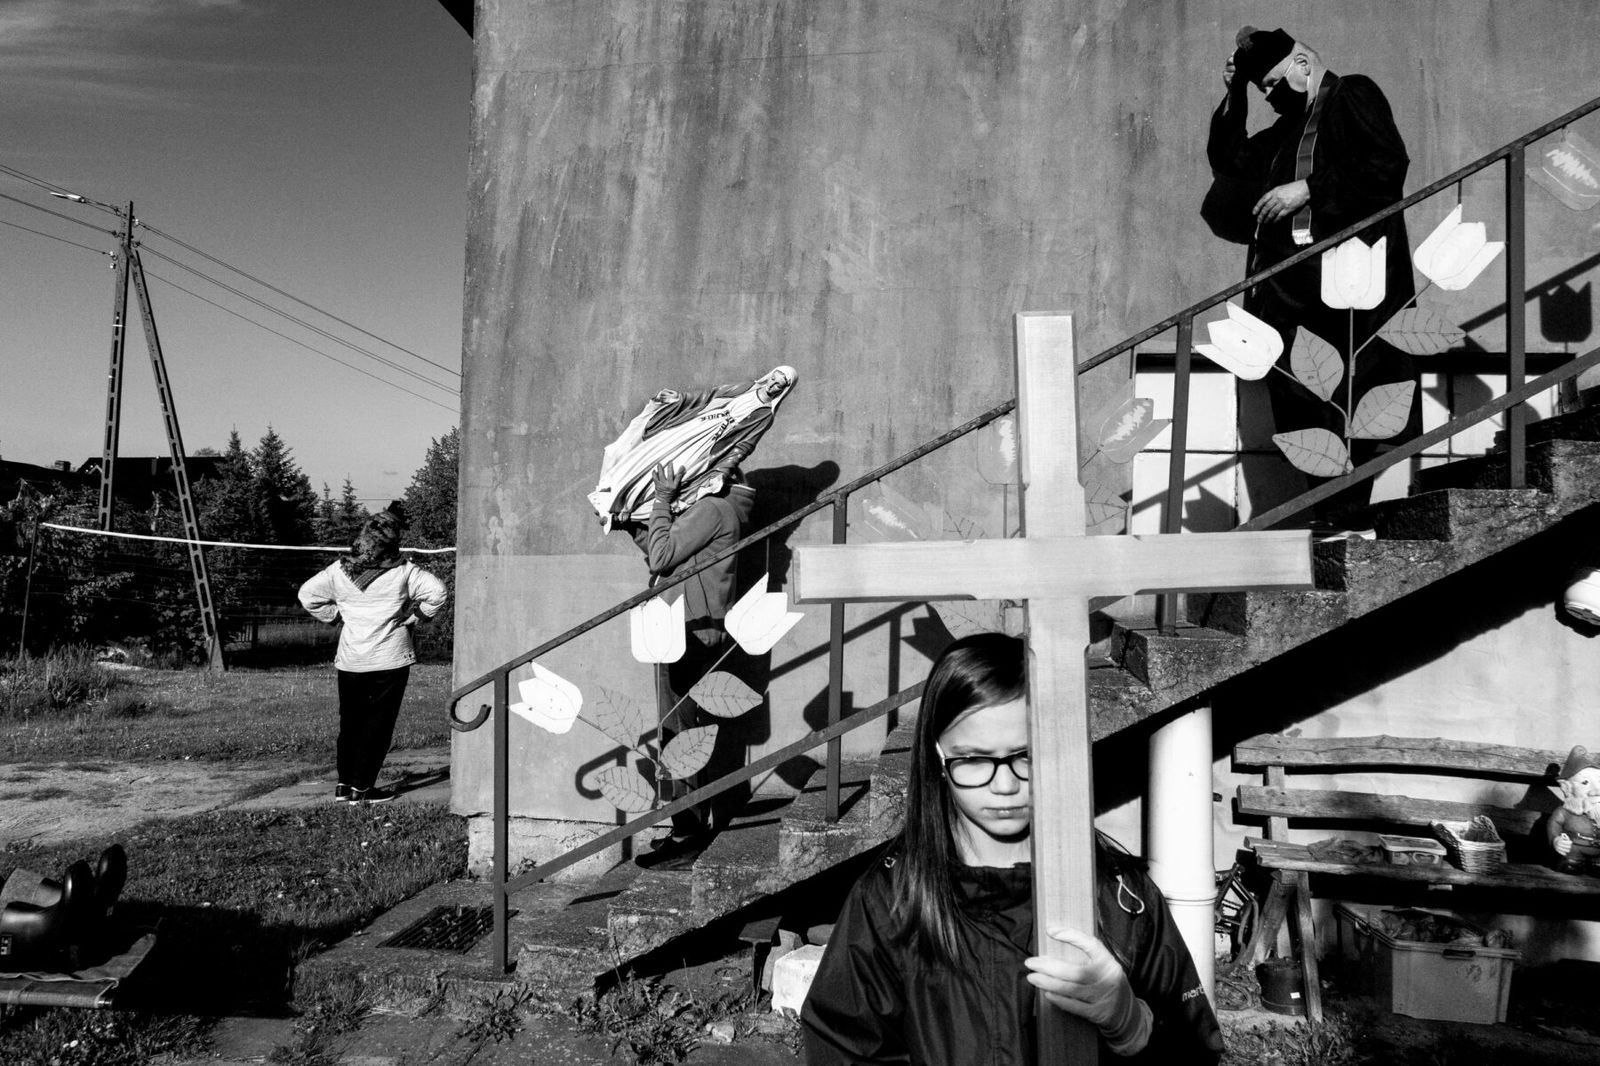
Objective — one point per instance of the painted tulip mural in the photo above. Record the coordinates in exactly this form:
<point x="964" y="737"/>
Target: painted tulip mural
<point x="1456" y="252"/>
<point x="1242" y="344"/>
<point x="1353" y="274"/>
<point x="657" y="634"/>
<point x="1353" y="279"/>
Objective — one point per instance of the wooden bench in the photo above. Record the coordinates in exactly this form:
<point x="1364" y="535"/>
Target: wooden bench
<point x="1293" y="867"/>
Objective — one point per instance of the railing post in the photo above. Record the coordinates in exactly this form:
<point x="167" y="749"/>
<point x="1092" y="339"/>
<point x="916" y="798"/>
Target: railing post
<point x="841" y="527"/>
<point x="1177" y="466"/>
<point x="502" y="795"/>
<point x="1516" y="315"/>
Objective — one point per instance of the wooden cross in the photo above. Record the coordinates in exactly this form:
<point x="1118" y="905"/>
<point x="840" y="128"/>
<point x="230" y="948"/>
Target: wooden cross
<point x="1055" y="568"/>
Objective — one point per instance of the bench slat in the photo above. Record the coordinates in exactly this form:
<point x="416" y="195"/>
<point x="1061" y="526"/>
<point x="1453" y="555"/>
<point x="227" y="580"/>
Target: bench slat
<point x="1412" y="753"/>
<point x="1329" y="805"/>
<point x="1281" y="856"/>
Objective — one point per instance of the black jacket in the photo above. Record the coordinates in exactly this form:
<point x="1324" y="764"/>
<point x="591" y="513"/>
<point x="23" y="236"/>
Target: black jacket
<point x="876" y="1000"/>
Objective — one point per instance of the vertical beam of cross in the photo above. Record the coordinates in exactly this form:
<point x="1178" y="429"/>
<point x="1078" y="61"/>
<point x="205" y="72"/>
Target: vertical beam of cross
<point x="1053" y="504"/>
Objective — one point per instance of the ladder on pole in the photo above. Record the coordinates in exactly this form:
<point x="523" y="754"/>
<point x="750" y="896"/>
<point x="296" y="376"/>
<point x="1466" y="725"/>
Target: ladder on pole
<point x="130" y="265"/>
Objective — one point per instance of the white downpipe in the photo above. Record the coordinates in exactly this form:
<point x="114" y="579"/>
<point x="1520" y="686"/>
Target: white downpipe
<point x="1180" y="825"/>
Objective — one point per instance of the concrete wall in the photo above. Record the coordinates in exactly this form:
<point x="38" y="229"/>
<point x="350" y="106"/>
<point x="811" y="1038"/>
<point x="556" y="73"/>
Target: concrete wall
<point x="679" y="192"/>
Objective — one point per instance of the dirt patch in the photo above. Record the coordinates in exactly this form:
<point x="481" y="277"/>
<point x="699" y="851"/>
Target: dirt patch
<point x="79" y="800"/>
<point x="50" y="803"/>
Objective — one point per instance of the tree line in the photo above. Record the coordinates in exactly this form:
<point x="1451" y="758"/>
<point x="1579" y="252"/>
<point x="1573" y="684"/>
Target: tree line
<point x="95" y="590"/>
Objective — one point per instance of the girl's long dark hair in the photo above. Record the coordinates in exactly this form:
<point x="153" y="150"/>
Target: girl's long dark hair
<point x="980" y="670"/>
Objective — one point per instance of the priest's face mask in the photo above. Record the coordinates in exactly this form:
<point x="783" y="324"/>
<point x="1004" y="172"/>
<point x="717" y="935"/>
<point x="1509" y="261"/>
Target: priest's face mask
<point x="1286" y="84"/>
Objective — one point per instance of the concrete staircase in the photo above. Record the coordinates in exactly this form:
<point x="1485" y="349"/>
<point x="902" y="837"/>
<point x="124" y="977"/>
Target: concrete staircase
<point x="564" y="938"/>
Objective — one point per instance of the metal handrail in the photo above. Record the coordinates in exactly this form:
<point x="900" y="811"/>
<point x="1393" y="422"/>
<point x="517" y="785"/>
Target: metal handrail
<point x="1183" y="321"/>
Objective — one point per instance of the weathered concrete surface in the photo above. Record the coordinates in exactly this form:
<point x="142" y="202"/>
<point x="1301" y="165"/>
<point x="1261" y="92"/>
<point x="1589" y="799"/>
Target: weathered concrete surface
<point x="665" y="193"/>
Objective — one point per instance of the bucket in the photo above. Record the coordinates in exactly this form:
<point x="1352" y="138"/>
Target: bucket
<point x="1282" y="987"/>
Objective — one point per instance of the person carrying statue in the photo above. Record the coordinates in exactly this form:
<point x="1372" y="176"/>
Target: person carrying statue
<point x="672" y="481"/>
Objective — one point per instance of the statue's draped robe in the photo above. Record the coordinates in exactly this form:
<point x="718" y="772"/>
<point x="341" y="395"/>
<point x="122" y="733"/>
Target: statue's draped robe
<point x="705" y="433"/>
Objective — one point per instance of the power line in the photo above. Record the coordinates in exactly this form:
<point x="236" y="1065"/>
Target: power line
<point x="53" y="237"/>
<point x="53" y="189"/>
<point x="48" y="186"/>
<point x="301" y="322"/>
<point x="303" y="344"/>
<point x="58" y="190"/>
<point x="58" y="214"/>
<point x="296" y="299"/>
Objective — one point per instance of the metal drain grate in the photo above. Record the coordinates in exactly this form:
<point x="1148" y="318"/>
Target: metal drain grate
<point x="445" y="929"/>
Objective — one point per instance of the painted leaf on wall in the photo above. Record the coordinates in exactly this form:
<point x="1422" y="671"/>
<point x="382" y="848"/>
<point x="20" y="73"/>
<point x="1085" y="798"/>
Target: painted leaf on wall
<point x="1314" y="451"/>
<point x="965" y="617"/>
<point x="891" y="516"/>
<point x="620" y="717"/>
<point x="721" y="694"/>
<point x="1102" y="504"/>
<point x="1316" y="364"/>
<point x="625" y="790"/>
<point x="1383" y="411"/>
<point x="962" y="528"/>
<point x="1569" y="170"/>
<point x="687" y="753"/>
<point x="997" y="451"/>
<point x="1129" y="429"/>
<point x="1422" y="331"/>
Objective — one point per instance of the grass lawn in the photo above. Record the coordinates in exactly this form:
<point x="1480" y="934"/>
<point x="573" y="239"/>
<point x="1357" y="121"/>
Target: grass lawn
<point x="149" y="714"/>
<point x="238" y="899"/>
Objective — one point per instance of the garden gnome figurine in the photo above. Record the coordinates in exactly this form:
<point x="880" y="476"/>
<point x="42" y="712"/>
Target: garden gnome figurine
<point x="1574" y="829"/>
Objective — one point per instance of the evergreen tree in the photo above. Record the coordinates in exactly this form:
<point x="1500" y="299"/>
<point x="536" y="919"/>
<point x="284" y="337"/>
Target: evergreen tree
<point x="327" y="522"/>
<point x="226" y="501"/>
<point x="287" y="500"/>
<point x="349" y="514"/>
<point x="431" y="496"/>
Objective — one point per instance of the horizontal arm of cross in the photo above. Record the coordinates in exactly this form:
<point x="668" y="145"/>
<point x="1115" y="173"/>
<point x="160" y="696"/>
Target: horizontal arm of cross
<point x="1051" y="567"/>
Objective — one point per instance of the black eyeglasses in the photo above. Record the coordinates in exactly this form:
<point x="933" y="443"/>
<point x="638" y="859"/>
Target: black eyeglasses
<point x="976" y="771"/>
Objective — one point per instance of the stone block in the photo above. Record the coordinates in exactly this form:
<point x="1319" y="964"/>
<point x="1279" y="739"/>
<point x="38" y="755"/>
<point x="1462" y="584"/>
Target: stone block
<point x="792" y="977"/>
<point x="1193" y="659"/>
<point x="531" y="841"/>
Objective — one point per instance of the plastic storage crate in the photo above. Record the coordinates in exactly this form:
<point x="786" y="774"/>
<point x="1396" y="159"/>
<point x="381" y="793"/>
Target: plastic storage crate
<point x="1438" y="981"/>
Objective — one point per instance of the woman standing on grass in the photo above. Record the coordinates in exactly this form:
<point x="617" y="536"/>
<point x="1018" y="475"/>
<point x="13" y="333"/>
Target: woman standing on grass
<point x="379" y="597"/>
<point x="932" y="960"/>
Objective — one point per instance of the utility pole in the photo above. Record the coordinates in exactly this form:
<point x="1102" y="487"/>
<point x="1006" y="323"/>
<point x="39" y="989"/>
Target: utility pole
<point x="119" y="320"/>
<point x="129" y="265"/>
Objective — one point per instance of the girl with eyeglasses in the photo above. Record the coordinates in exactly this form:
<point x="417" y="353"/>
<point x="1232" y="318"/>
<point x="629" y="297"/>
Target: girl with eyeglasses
<point x="932" y="959"/>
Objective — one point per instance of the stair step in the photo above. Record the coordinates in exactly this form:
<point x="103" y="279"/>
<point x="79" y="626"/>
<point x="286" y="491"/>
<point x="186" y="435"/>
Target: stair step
<point x="1478" y="521"/>
<point x="1374" y="572"/>
<point x="808" y="843"/>
<point x="654" y="909"/>
<point x="1270" y="622"/>
<point x="886" y="802"/>
<point x="1194" y="655"/>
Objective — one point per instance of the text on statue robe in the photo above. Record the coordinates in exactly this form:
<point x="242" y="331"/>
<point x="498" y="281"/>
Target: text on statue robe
<point x="1056" y="569"/>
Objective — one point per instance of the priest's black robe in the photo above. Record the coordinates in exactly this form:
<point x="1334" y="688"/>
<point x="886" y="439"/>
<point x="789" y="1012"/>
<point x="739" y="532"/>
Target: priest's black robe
<point x="1358" y="167"/>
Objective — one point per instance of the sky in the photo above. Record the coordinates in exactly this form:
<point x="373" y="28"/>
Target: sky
<point x="319" y="146"/>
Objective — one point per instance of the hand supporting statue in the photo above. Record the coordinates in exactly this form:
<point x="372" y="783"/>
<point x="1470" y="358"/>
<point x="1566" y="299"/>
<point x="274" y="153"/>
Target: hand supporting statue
<point x="669" y="482"/>
<point x="1095" y="989"/>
